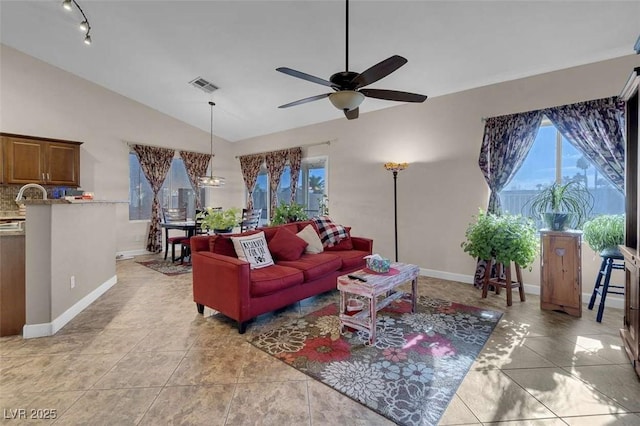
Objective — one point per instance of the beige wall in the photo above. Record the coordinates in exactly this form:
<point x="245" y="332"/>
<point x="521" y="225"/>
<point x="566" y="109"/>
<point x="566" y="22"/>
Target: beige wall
<point x="41" y="100"/>
<point x="443" y="186"/>
<point x="437" y="195"/>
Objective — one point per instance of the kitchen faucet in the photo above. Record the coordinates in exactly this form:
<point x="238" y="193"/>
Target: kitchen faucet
<point x="31" y="185"/>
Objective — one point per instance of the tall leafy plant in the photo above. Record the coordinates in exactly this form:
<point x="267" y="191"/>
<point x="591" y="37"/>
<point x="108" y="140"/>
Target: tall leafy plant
<point x="286" y="213"/>
<point x="506" y="238"/>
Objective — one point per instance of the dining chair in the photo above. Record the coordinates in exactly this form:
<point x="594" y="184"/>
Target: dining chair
<point x="173" y="215"/>
<point x="250" y="219"/>
<point x="186" y="244"/>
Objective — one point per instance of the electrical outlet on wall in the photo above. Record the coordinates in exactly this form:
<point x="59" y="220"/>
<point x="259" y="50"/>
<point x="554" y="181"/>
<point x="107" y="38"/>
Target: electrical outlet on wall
<point x="72" y="281"/>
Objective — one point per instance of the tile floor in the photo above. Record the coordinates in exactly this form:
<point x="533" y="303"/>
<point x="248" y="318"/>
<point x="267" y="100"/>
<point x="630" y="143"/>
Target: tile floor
<point x="142" y="355"/>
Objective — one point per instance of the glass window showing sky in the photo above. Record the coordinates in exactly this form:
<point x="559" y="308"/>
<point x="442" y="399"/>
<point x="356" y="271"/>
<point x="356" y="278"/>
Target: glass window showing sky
<point x="176" y="190"/>
<point x="541" y="169"/>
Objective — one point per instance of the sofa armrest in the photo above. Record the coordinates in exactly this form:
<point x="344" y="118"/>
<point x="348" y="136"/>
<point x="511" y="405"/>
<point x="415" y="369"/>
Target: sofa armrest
<point x="363" y="244"/>
<point x="222" y="283"/>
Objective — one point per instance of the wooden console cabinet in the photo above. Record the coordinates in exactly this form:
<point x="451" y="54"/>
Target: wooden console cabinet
<point x="560" y="272"/>
<point x="29" y="159"/>
<point x="631" y="248"/>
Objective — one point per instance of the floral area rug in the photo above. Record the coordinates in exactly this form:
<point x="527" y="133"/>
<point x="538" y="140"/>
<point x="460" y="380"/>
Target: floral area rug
<point x="408" y="375"/>
<point x="166" y="267"/>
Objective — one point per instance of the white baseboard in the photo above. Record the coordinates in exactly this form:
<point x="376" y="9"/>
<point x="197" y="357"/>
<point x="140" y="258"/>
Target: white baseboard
<point x="128" y="254"/>
<point x="613" y="302"/>
<point x="30" y="331"/>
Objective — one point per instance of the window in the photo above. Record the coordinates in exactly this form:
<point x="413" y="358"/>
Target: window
<point x="175" y="192"/>
<point x="553" y="158"/>
<point x="311" y="187"/>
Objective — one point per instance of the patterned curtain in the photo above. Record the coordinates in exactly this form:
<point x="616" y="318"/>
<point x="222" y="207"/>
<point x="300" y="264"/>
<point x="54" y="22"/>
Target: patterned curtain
<point x="250" y="166"/>
<point x="155" y="163"/>
<point x="276" y="161"/>
<point x="196" y="165"/>
<point x="506" y="142"/>
<point x="295" y="160"/>
<point x="596" y="129"/>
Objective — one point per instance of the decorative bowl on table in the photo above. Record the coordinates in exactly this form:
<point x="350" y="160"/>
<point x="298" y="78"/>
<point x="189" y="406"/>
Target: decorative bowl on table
<point x="380" y="266"/>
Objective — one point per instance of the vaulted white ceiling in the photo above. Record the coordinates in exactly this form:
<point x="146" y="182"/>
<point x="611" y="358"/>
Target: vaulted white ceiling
<point x="150" y="50"/>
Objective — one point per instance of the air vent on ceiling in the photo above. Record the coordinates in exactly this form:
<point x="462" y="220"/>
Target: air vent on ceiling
<point x="202" y="84"/>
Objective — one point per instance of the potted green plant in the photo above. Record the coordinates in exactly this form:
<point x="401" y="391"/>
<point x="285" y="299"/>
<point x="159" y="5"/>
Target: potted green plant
<point x="506" y="238"/>
<point x="605" y="233"/>
<point x="562" y="206"/>
<point x="287" y="213"/>
<point x="220" y="220"/>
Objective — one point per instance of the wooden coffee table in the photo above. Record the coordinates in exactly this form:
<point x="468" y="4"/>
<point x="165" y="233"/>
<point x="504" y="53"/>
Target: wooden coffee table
<point x="377" y="286"/>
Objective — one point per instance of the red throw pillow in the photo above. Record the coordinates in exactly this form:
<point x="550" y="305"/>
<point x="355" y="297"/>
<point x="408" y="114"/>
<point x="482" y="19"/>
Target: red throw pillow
<point x="222" y="244"/>
<point x="344" y="244"/>
<point x="285" y="245"/>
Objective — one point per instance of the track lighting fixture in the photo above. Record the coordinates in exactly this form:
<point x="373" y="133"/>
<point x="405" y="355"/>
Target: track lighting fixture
<point x="84" y="25"/>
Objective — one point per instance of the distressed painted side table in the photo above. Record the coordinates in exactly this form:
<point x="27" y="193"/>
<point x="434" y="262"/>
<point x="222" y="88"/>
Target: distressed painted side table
<point x="377" y="286"/>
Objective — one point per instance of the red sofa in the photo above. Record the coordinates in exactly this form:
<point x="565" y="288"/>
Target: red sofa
<point x="228" y="285"/>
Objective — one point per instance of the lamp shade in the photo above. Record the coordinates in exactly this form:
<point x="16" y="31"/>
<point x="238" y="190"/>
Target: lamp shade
<point x="346" y="99"/>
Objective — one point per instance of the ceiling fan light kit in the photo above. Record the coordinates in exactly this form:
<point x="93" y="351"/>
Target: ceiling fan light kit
<point x="347" y="95"/>
<point x="346" y="100"/>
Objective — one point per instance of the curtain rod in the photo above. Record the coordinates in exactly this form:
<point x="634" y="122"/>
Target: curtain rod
<point x="299" y="146"/>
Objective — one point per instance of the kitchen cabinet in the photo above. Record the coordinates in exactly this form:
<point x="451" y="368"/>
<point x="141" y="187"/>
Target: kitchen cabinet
<point x="560" y="272"/>
<point x="631" y="247"/>
<point x="29" y="159"/>
<point x="12" y="284"/>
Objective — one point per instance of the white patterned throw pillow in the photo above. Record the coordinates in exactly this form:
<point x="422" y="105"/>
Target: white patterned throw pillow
<point x="253" y="249"/>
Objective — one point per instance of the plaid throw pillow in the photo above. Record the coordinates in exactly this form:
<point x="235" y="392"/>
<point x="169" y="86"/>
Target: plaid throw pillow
<point x="330" y="233"/>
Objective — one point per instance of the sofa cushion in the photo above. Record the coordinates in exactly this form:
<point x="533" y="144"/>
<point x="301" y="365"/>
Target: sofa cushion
<point x="274" y="278"/>
<point x="310" y="236"/>
<point x="330" y="233"/>
<point x="270" y="231"/>
<point x="351" y="259"/>
<point x="285" y="245"/>
<point x="344" y="244"/>
<point x="315" y="265"/>
<point x="253" y="249"/>
<point x="222" y="244"/>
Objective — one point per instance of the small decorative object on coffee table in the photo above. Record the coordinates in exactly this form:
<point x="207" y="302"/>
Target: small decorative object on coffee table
<point x="373" y="286"/>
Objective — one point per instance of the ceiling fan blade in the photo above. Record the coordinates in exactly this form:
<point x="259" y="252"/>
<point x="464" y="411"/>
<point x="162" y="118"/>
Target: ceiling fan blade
<point x="305" y="100"/>
<point x="353" y="114"/>
<point x="393" y="95"/>
<point x="305" y="76"/>
<point x="379" y="71"/>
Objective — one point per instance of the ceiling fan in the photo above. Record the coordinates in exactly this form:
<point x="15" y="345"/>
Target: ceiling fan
<point x="349" y="86"/>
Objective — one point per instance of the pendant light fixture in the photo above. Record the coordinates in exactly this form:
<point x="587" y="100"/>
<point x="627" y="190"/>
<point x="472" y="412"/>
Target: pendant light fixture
<point x="211" y="181"/>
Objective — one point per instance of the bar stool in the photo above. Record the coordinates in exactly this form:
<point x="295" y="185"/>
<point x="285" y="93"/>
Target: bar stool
<point x="611" y="259"/>
<point x="499" y="282"/>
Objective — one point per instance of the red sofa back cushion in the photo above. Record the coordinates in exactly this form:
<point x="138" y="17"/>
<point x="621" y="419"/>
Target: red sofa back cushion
<point x="285" y="245"/>
<point x="222" y="244"/>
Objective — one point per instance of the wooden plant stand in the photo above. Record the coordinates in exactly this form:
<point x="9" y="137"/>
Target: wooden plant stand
<point x="506" y="282"/>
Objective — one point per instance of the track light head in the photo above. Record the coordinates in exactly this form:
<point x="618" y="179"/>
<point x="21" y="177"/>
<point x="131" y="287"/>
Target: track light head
<point x="66" y="4"/>
<point x="84" y="26"/>
<point x="87" y="39"/>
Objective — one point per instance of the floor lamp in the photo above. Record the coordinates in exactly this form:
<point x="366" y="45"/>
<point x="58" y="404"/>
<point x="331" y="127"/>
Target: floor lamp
<point x="395" y="168"/>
